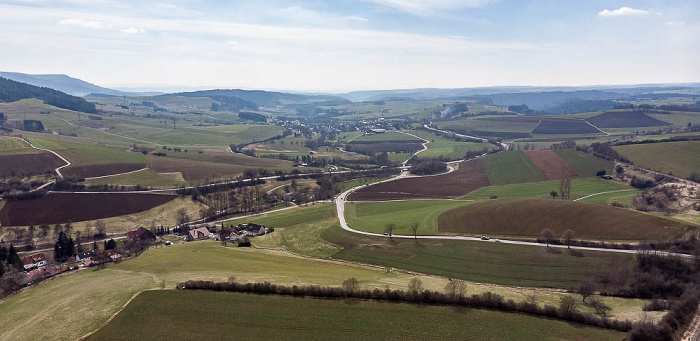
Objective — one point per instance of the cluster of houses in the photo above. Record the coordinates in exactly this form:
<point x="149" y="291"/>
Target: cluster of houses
<point x="36" y="269"/>
<point x="231" y="233"/>
<point x="97" y="257"/>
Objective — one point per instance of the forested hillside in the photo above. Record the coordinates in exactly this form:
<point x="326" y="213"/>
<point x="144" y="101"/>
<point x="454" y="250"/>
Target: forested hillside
<point x="11" y="91"/>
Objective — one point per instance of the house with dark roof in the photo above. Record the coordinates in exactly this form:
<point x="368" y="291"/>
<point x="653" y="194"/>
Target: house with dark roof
<point x="140" y="234"/>
<point x="84" y="256"/>
<point x="251" y="229"/>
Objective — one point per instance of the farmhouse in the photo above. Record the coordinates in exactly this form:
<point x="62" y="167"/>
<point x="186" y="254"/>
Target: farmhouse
<point x="140" y="234"/>
<point x="84" y="256"/>
<point x="34" y="261"/>
<point x="227" y="234"/>
<point x="198" y="234"/>
<point x="251" y="229"/>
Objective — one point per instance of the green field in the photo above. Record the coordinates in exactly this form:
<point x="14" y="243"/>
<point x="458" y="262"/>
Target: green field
<point x="511" y="167"/>
<point x="208" y="315"/>
<point x="476" y="261"/>
<point x="12" y="146"/>
<point x="491" y="123"/>
<point x="147" y="178"/>
<point x="579" y="187"/>
<point x="440" y="147"/>
<point x="679" y="158"/>
<point x="390" y="136"/>
<point x="584" y="164"/>
<point x="373" y="217"/>
<point x="623" y="197"/>
<point x="80" y="154"/>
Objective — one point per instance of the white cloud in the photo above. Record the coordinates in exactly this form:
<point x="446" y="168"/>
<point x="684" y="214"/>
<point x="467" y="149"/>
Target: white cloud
<point x="82" y="23"/>
<point x="232" y="42"/>
<point x="675" y="23"/>
<point x="431" y="7"/>
<point x="622" y="12"/>
<point x="133" y="30"/>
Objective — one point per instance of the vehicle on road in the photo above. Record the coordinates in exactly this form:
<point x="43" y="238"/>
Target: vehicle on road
<point x="485" y="238"/>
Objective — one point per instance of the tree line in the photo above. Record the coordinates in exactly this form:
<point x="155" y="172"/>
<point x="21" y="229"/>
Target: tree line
<point x="454" y="295"/>
<point x="11" y="91"/>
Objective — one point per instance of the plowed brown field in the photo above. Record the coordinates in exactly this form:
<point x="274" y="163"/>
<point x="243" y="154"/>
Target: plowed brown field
<point x="72" y="207"/>
<point x="528" y="217"/>
<point x="467" y="178"/>
<point x="28" y="164"/>
<point x="552" y="166"/>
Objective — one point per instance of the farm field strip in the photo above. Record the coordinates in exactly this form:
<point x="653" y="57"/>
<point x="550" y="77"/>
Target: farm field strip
<point x="680" y="158"/>
<point x="550" y="164"/>
<point x="343" y="197"/>
<point x="468" y="177"/>
<point x="156" y="313"/>
<point x="528" y="217"/>
<point x="579" y="187"/>
<point x="57" y="170"/>
<point x="57" y="207"/>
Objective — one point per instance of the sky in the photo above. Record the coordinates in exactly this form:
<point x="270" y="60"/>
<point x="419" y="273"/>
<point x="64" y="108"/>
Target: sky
<point x="338" y="46"/>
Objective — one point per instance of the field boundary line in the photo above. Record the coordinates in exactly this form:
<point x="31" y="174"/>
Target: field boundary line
<point x="124" y="173"/>
<point x="102" y="131"/>
<point x="600" y="130"/>
<point x="114" y="315"/>
<point x="57" y="170"/>
<point x="601" y="193"/>
<point x="340" y="212"/>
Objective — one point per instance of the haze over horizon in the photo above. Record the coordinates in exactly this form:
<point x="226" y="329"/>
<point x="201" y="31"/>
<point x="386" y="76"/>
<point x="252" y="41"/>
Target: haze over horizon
<point x="353" y="45"/>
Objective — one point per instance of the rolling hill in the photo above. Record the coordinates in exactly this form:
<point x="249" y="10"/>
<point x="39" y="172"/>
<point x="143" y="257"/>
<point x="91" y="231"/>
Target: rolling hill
<point x="67" y="84"/>
<point x="11" y="91"/>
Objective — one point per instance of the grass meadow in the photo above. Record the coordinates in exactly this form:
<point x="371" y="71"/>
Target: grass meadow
<point x="179" y="315"/>
<point x="511" y="167"/>
<point x="580" y="187"/>
<point x="679" y="158"/>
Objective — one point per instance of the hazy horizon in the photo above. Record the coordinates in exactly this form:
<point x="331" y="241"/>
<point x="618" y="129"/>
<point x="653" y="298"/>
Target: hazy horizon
<point x="342" y="46"/>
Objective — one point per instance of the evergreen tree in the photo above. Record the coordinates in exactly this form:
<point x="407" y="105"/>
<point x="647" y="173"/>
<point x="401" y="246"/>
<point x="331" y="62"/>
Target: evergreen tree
<point x="13" y="258"/>
<point x="63" y="248"/>
<point x="110" y="244"/>
<point x="3" y="253"/>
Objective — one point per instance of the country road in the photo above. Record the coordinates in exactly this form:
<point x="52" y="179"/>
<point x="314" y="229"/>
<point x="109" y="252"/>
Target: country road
<point x="340" y="210"/>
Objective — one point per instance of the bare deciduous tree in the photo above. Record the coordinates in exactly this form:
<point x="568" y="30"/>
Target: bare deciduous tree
<point x="414" y="228"/>
<point x="456" y="288"/>
<point x="568" y="304"/>
<point x="567" y="237"/>
<point x="586" y="289"/>
<point x="390" y="230"/>
<point x="351" y="285"/>
<point x="547" y="235"/>
<point x="415" y="286"/>
<point x="600" y="307"/>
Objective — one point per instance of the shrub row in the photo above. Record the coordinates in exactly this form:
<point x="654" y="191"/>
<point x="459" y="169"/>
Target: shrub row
<point x="485" y="300"/>
<point x="673" y="324"/>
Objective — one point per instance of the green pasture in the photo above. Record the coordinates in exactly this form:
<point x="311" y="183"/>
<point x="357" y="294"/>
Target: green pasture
<point x="374" y="217"/>
<point x="189" y="314"/>
<point x="511" y="167"/>
<point x="579" y="187"/>
<point x="679" y="158"/>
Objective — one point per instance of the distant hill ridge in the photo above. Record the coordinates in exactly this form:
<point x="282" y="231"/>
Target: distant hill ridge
<point x="11" y="91"/>
<point x="251" y="99"/>
<point x="67" y="84"/>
